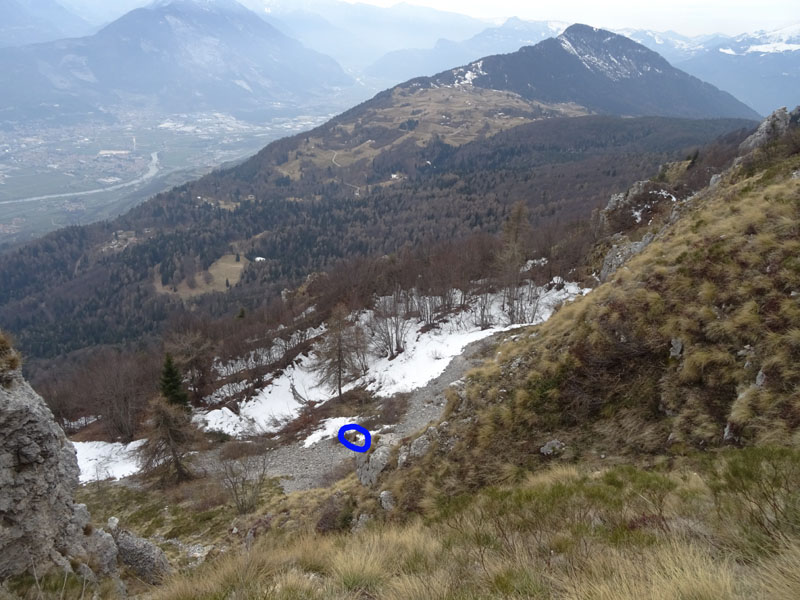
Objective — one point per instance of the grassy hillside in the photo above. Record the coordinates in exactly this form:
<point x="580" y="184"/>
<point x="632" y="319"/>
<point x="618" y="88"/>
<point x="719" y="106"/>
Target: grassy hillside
<point x="673" y="389"/>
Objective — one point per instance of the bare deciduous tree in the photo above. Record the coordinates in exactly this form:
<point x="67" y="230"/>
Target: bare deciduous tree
<point x="169" y="438"/>
<point x="389" y="324"/>
<point x="244" y="471"/>
<point x="510" y="261"/>
<point x="339" y="358"/>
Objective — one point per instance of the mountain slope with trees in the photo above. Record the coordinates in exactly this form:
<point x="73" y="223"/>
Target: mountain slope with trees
<point x="431" y="160"/>
<point x="69" y="291"/>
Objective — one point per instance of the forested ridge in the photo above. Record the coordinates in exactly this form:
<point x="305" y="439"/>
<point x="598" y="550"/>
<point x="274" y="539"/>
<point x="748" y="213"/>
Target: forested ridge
<point x="74" y="289"/>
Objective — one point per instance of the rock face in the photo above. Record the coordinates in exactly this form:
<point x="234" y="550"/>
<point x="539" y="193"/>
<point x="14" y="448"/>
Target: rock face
<point x="40" y="524"/>
<point x="771" y="128"/>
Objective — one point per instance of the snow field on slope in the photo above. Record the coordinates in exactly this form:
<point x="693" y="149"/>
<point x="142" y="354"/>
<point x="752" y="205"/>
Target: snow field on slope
<point x="105" y="460"/>
<point x="425" y="357"/>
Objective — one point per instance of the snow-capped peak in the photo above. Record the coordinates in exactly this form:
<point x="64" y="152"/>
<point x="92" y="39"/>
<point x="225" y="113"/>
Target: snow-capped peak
<point x="609" y="54"/>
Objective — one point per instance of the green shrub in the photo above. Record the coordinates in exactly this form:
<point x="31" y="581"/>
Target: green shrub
<point x="757" y="490"/>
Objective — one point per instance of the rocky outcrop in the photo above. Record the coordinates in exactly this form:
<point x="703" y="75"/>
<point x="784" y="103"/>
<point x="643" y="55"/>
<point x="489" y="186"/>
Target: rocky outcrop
<point x="370" y="466"/>
<point x="387" y="500"/>
<point x="42" y="527"/>
<point x="773" y="127"/>
<point x="621" y="252"/>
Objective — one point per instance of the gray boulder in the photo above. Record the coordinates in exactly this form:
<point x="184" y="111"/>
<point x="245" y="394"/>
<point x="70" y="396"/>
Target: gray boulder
<point x="387" y="500"/>
<point x="42" y="525"/>
<point x="361" y="522"/>
<point x="146" y="559"/>
<point x="552" y="448"/>
<point x="676" y="348"/>
<point x="402" y="456"/>
<point x="761" y="379"/>
<point x="370" y="466"/>
<point x="420" y="446"/>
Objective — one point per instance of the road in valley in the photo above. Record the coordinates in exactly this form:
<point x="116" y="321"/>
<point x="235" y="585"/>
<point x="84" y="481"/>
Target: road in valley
<point x="152" y="171"/>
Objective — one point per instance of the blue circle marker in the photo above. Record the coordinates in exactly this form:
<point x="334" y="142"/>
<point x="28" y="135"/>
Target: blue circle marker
<point x="351" y="446"/>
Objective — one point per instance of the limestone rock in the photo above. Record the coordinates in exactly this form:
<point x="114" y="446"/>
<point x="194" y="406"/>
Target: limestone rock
<point x="552" y="448"/>
<point x="146" y="559"/>
<point x="420" y="446"/>
<point x="370" y="466"/>
<point x="771" y="128"/>
<point x="402" y="456"/>
<point x="42" y="525"/>
<point x="387" y="500"/>
<point x="676" y="348"/>
<point x="361" y="522"/>
<point x="761" y="379"/>
<point x="621" y="253"/>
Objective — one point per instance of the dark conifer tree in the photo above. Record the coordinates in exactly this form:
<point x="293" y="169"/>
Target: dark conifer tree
<point x="171" y="384"/>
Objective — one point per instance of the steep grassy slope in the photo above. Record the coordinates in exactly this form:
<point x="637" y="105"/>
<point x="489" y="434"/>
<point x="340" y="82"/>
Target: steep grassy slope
<point x="692" y="345"/>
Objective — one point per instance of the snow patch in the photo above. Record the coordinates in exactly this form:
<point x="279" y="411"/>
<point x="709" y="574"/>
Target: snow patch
<point x="465" y="76"/>
<point x="534" y="262"/>
<point x="330" y="428"/>
<point x="426" y="355"/>
<point x="773" y="48"/>
<point x="105" y="460"/>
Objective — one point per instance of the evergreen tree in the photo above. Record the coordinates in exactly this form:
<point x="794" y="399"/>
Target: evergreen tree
<point x="171" y="384"/>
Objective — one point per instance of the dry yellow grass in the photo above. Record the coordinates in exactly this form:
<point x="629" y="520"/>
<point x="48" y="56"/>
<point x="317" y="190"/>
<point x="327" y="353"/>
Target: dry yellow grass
<point x="222" y="270"/>
<point x="535" y="540"/>
<point x="456" y="115"/>
<point x="676" y="571"/>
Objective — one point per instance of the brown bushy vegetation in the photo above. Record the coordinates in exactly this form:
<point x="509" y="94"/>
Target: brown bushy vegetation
<point x="9" y="359"/>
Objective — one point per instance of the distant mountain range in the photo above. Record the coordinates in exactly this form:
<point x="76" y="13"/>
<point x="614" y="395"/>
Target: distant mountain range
<point x="172" y="56"/>
<point x="402" y="65"/>
<point x="31" y="21"/>
<point x="355" y="34"/>
<point x="761" y="69"/>
<point x="434" y="158"/>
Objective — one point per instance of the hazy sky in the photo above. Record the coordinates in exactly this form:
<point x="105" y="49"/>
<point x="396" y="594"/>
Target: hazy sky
<point x="689" y="17"/>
